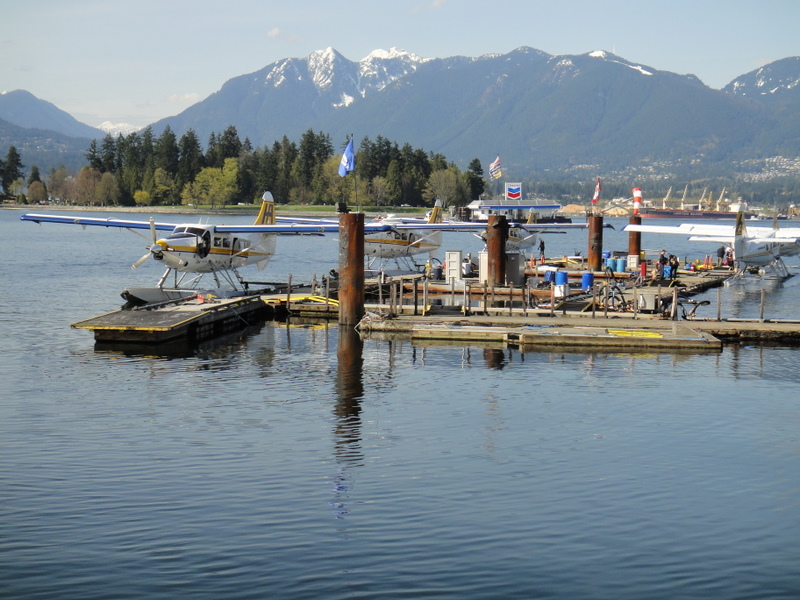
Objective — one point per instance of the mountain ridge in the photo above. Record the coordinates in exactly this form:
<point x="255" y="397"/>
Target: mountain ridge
<point x="541" y="112"/>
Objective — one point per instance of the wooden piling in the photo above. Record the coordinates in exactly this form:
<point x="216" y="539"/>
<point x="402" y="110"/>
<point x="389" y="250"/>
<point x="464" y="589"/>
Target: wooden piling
<point x="634" y="244"/>
<point x="351" y="268"/>
<point x="497" y="233"/>
<point x="595" y="258"/>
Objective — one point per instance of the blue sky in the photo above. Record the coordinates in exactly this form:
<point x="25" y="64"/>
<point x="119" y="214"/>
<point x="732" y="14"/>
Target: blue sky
<point x="137" y="62"/>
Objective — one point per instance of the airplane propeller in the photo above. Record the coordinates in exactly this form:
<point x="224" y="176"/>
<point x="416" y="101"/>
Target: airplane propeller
<point x="153" y="239"/>
<point x="158" y="252"/>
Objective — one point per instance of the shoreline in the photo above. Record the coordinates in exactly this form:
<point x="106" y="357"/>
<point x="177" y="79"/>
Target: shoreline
<point x="184" y="210"/>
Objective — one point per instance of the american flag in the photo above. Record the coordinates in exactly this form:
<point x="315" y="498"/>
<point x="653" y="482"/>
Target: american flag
<point x="495" y="168"/>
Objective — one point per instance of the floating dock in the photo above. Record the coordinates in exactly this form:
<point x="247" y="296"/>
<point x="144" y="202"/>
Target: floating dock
<point x="566" y="332"/>
<point x="488" y="317"/>
<point x="194" y="319"/>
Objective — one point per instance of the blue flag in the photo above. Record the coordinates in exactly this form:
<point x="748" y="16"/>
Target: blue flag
<point x="348" y="160"/>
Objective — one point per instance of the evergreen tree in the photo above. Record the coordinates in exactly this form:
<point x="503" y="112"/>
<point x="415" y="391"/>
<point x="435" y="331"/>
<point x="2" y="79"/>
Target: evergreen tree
<point x="190" y="158"/>
<point x="34" y="176"/>
<point x="167" y="152"/>
<point x="93" y="156"/>
<point x="476" y="184"/>
<point x="12" y="169"/>
<point x="394" y="183"/>
<point x="108" y="155"/>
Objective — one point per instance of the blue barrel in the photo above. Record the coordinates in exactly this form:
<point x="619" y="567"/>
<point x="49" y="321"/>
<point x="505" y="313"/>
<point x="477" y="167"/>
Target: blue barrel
<point x="562" y="277"/>
<point x="549" y="276"/>
<point x="667" y="271"/>
<point x="587" y="280"/>
<point x="622" y="264"/>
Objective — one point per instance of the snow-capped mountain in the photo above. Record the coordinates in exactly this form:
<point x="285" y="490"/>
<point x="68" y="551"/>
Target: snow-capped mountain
<point x="773" y="79"/>
<point x="117" y="129"/>
<point x="540" y="111"/>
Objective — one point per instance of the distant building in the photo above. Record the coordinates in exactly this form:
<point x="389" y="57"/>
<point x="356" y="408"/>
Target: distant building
<point x="513" y="210"/>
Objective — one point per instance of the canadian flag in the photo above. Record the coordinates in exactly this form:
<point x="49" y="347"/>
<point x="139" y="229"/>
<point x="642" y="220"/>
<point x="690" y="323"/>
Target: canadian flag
<point x="597" y="189"/>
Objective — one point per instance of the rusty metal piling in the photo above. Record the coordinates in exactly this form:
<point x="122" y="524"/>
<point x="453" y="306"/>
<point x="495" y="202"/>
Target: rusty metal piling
<point x="351" y="268"/>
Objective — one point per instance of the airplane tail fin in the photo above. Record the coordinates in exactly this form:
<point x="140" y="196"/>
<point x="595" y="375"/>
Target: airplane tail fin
<point x="436" y="213"/>
<point x="266" y="215"/>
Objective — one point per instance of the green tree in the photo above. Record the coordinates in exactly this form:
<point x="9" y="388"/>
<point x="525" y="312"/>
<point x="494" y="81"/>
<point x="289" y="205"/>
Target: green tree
<point x="286" y="153"/>
<point x="190" y="159"/>
<point x="442" y="185"/>
<point x="224" y="146"/>
<point x="34" y="175"/>
<point x="61" y="185"/>
<point x="212" y="186"/>
<point x="142" y="198"/>
<point x="166" y="152"/>
<point x="108" y="155"/>
<point x="476" y="184"/>
<point x="87" y="180"/>
<point x="93" y="156"/>
<point x="394" y="183"/>
<point x="37" y="192"/>
<point x="12" y="169"/>
<point x="106" y="192"/>
<point x="266" y="170"/>
<point x="163" y="190"/>
<point x="379" y="190"/>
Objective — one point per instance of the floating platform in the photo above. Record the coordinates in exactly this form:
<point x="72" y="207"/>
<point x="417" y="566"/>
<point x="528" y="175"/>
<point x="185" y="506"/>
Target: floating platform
<point x="561" y="332"/>
<point x="194" y="319"/>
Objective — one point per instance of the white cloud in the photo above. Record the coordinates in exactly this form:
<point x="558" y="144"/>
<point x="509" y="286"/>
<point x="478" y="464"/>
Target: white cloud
<point x="190" y="98"/>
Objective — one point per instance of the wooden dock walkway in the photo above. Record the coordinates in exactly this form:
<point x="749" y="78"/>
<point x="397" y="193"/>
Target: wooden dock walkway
<point x="194" y="319"/>
<point x="502" y="321"/>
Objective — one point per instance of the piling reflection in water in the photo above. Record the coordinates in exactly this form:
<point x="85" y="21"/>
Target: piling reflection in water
<point x="495" y="358"/>
<point x="347" y="428"/>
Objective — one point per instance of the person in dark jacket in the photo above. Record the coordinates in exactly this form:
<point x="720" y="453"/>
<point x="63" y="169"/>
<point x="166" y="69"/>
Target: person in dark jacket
<point x="673" y="264"/>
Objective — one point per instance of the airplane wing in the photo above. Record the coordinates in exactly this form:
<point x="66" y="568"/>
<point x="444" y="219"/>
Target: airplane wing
<point x="686" y="229"/>
<point x="84" y="221"/>
<point x="783" y="241"/>
<point x="481" y="225"/>
<point x="296" y="228"/>
<point x="283" y="228"/>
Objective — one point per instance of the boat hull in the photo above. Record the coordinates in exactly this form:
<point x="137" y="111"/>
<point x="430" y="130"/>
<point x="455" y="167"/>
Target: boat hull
<point x="676" y="213"/>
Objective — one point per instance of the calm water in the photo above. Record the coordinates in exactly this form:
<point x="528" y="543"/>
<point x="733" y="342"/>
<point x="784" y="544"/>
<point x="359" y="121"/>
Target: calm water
<point x="298" y="462"/>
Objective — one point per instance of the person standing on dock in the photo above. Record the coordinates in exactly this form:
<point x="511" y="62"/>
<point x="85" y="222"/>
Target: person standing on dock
<point x="728" y="260"/>
<point x="720" y="255"/>
<point x="662" y="262"/>
<point x="673" y="266"/>
<point x="541" y="250"/>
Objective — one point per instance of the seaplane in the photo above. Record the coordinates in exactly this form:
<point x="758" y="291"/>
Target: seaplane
<point x="755" y="249"/>
<point x="191" y="250"/>
<point x="406" y="237"/>
<point x="523" y="236"/>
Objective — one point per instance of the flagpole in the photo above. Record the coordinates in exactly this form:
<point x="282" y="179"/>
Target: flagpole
<point x="355" y="183"/>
